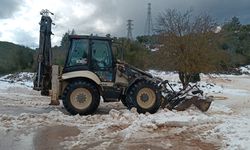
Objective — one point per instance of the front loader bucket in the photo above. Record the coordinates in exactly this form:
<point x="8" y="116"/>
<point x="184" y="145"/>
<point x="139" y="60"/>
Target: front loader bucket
<point x="202" y="104"/>
<point x="184" y="104"/>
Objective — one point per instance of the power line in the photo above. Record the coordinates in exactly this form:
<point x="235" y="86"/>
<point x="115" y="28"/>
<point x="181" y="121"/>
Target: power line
<point x="129" y="25"/>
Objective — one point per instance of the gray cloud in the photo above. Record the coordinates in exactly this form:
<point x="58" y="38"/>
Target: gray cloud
<point x="221" y="10"/>
<point x="224" y="9"/>
<point x="105" y="12"/>
<point x="25" y="38"/>
<point x="8" y="7"/>
<point x="114" y="11"/>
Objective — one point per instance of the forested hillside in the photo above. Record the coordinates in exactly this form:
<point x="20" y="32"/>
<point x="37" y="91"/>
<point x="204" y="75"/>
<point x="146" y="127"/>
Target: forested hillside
<point x="15" y="58"/>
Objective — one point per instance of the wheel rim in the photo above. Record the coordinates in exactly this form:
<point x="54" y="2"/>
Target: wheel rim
<point x="146" y="98"/>
<point x="81" y="98"/>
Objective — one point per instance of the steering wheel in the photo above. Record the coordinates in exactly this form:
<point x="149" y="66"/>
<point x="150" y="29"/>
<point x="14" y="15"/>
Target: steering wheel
<point x="99" y="63"/>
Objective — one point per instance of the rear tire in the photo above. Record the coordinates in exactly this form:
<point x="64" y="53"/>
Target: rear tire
<point x="81" y="97"/>
<point x="145" y="96"/>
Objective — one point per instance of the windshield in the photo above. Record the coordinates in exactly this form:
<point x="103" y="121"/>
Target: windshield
<point x="78" y="54"/>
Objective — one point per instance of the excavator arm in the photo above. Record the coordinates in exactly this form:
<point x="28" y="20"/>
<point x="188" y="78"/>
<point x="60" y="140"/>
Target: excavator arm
<point x="42" y="81"/>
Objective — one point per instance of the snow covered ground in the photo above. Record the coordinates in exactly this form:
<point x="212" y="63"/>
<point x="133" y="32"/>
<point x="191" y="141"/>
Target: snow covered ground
<point x="28" y="122"/>
<point x="245" y="69"/>
<point x="23" y="78"/>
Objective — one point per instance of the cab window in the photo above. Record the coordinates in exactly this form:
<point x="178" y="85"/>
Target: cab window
<point x="101" y="54"/>
<point x="78" y="54"/>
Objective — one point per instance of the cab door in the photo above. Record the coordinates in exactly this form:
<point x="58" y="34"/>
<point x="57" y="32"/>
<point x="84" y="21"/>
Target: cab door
<point x="102" y="60"/>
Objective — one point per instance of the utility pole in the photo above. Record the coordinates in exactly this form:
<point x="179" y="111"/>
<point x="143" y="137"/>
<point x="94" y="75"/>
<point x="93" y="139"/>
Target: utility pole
<point x="149" y="23"/>
<point x="129" y="25"/>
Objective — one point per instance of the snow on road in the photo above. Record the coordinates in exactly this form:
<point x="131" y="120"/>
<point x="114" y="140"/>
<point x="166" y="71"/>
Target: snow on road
<point x="233" y="110"/>
<point x="226" y="125"/>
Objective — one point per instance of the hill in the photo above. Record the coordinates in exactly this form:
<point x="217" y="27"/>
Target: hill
<point x="15" y="58"/>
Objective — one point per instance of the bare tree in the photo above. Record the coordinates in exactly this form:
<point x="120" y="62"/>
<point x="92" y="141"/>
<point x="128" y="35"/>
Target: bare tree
<point x="190" y="45"/>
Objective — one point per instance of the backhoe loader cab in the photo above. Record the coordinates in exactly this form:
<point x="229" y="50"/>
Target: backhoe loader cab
<point x="91" y="53"/>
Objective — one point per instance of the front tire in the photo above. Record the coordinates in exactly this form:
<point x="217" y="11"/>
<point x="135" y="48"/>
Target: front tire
<point x="123" y="100"/>
<point x="145" y="96"/>
<point x="81" y="97"/>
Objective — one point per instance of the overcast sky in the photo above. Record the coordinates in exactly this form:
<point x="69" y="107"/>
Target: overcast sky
<point x="19" y="18"/>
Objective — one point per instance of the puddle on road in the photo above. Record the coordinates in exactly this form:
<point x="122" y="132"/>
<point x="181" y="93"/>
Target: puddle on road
<point x="51" y="137"/>
<point x="44" y="138"/>
<point x="16" y="140"/>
